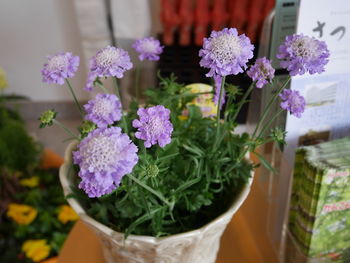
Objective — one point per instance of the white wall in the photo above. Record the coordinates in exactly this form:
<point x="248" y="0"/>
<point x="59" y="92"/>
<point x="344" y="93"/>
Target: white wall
<point x="31" y="30"/>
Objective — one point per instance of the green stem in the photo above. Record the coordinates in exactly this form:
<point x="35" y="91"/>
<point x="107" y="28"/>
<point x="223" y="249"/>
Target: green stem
<point x="266" y="110"/>
<point x="243" y="100"/>
<point x="270" y="122"/>
<point x="219" y="108"/>
<point x="102" y="88"/>
<point x="140" y="183"/>
<point x="229" y="102"/>
<point x="75" y="99"/>
<point x="118" y="94"/>
<point x="67" y="130"/>
<point x="137" y="79"/>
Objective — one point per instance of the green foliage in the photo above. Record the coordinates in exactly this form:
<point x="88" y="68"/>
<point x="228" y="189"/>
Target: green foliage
<point x="194" y="178"/>
<point x="18" y="151"/>
<point x="46" y="198"/>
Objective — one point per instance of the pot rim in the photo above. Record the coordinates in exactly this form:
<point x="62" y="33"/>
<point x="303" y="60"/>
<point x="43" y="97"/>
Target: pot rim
<point x="63" y="174"/>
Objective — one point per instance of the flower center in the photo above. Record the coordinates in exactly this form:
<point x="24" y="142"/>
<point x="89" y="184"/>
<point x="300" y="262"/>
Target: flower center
<point x="305" y="47"/>
<point x="296" y="101"/>
<point x="225" y="48"/>
<point x="155" y="126"/>
<point x="102" y="107"/>
<point x="148" y="47"/>
<point x="58" y="62"/>
<point x="107" y="57"/>
<point x="101" y="153"/>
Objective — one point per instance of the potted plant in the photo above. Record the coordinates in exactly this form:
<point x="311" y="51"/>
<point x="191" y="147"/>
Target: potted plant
<point x="160" y="182"/>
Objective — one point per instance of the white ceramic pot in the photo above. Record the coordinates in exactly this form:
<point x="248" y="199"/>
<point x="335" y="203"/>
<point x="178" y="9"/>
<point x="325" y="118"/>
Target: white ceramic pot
<point x="196" y="246"/>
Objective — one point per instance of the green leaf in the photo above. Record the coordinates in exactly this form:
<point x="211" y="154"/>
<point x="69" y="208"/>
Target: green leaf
<point x="265" y="163"/>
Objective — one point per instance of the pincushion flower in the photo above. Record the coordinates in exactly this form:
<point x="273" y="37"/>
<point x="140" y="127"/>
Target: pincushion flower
<point x="148" y="48"/>
<point x="21" y="214"/>
<point x="103" y="110"/>
<point x="108" y="62"/>
<point x="301" y="54"/>
<point x="154" y="126"/>
<point x="218" y="81"/>
<point x="67" y="214"/>
<point x="36" y="250"/>
<point x="60" y="67"/>
<point x="225" y="52"/>
<point x="104" y="157"/>
<point x="293" y="102"/>
<point x="262" y="72"/>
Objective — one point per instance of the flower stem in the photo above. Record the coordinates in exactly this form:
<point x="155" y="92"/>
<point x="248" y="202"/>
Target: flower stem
<point x="102" y="88"/>
<point x="243" y="100"/>
<point x="67" y="130"/>
<point x="140" y="183"/>
<point x="137" y="80"/>
<point x="75" y="99"/>
<point x="219" y="108"/>
<point x="266" y="110"/>
<point x="270" y="122"/>
<point x="118" y="94"/>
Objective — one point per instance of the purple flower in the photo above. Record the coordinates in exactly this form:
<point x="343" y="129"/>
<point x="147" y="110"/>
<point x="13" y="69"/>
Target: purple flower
<point x="262" y="72"/>
<point x="148" y="48"/>
<point x="301" y="54"/>
<point x="293" y="102"/>
<point x="104" y="157"/>
<point x="153" y="126"/>
<point x="218" y="81"/>
<point x="225" y="52"/>
<point x="108" y="62"/>
<point x="59" y="67"/>
<point x="103" y="110"/>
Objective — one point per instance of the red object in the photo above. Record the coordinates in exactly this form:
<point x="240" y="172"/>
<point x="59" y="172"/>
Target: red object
<point x="202" y="19"/>
<point x="269" y="5"/>
<point x="219" y="14"/>
<point x="255" y="19"/>
<point x="238" y="14"/>
<point x="186" y="21"/>
<point x="170" y="21"/>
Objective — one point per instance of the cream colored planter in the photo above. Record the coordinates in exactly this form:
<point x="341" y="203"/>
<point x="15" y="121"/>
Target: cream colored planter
<point x="197" y="246"/>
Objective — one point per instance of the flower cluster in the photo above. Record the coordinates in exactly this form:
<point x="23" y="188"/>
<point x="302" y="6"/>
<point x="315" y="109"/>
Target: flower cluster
<point x="60" y="67"/>
<point x="148" y="48"/>
<point x="36" y="249"/>
<point x="225" y="52"/>
<point x="301" y="54"/>
<point x="66" y="214"/>
<point x="104" y="157"/>
<point x="108" y="62"/>
<point x="21" y="214"/>
<point x="105" y="109"/>
<point x="154" y="126"/>
<point x="30" y="182"/>
<point x="262" y="72"/>
<point x="293" y="102"/>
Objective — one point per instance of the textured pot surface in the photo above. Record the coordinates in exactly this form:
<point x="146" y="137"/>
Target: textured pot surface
<point x="197" y="246"/>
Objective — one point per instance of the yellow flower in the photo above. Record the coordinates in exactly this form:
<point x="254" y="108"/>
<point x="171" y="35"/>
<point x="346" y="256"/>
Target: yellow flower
<point x="36" y="250"/>
<point x="203" y="101"/>
<point x="30" y="182"/>
<point x="3" y="80"/>
<point x="66" y="214"/>
<point x="22" y="214"/>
